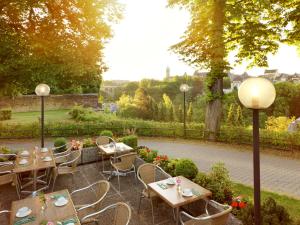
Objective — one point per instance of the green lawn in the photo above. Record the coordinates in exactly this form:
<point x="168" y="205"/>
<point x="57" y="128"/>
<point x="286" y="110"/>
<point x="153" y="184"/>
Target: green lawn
<point x="29" y="117"/>
<point x="291" y="204"/>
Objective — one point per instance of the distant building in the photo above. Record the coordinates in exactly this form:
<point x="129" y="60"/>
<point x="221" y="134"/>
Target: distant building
<point x="110" y="86"/>
<point x="201" y="74"/>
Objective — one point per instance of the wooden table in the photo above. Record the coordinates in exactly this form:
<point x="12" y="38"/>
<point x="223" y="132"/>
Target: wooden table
<point x="34" y="163"/>
<point x="109" y="149"/>
<point x="51" y="213"/>
<point x="175" y="199"/>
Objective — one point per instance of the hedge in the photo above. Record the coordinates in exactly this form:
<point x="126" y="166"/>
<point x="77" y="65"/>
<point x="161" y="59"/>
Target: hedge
<point x="237" y="135"/>
<point x="5" y="114"/>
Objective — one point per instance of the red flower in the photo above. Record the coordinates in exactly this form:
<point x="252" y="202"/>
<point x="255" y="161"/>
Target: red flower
<point x="234" y="204"/>
<point x="158" y="157"/>
<point x="242" y="205"/>
<point x="148" y="150"/>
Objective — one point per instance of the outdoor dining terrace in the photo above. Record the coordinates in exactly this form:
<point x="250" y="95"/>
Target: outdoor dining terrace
<point x="126" y="189"/>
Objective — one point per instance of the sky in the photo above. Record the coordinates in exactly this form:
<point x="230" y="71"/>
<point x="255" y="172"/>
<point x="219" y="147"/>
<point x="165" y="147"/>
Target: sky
<point x="141" y="42"/>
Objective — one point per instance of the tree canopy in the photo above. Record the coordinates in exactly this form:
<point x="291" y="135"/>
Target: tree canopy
<point x="58" y="42"/>
<point x="249" y="28"/>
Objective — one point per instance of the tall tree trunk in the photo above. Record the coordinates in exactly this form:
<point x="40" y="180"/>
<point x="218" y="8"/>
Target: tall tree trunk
<point x="217" y="68"/>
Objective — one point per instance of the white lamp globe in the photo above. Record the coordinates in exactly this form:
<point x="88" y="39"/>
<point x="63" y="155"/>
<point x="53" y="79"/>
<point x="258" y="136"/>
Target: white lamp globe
<point x="257" y="93"/>
<point x="42" y="90"/>
<point x="184" y="88"/>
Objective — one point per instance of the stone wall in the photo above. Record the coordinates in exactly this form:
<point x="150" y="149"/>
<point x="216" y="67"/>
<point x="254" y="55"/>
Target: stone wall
<point x="53" y="102"/>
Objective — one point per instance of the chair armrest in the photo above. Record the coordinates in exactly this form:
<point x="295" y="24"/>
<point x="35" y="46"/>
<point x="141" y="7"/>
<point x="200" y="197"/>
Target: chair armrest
<point x="5" y="211"/>
<point x="5" y="172"/>
<point x="5" y="155"/>
<point x="164" y="172"/>
<point x="82" y="189"/>
<point x="67" y="163"/>
<point x="99" y="212"/>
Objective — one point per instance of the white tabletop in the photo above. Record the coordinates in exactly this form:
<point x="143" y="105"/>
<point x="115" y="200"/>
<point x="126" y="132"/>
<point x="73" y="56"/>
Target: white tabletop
<point x="120" y="147"/>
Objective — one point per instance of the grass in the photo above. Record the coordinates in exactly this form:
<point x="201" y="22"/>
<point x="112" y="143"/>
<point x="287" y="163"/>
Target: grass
<point x="291" y="204"/>
<point x="29" y="117"/>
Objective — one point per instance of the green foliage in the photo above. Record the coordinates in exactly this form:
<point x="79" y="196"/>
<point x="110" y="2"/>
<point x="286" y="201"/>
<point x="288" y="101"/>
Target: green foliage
<point x="218" y="182"/>
<point x="49" y="43"/>
<point x="168" y="106"/>
<point x="4" y="150"/>
<point x="79" y="113"/>
<point x="272" y="214"/>
<point x="60" y="142"/>
<point x="107" y="133"/>
<point x="88" y="142"/>
<point x="186" y="168"/>
<point x="170" y="167"/>
<point x="130" y="140"/>
<point x="190" y="113"/>
<point x="280" y="123"/>
<point x="230" y="115"/>
<point x="147" y="155"/>
<point x="5" y="114"/>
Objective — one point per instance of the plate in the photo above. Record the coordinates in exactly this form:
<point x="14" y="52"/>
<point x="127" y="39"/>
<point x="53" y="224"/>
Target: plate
<point x="71" y="223"/>
<point x="47" y="159"/>
<point x="187" y="193"/>
<point x="44" y="150"/>
<point x="23" y="161"/>
<point x="61" y="201"/>
<point x="170" y="181"/>
<point x="23" y="212"/>
<point x="24" y="153"/>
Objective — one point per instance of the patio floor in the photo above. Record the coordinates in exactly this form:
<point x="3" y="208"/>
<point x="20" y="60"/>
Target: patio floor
<point x="89" y="174"/>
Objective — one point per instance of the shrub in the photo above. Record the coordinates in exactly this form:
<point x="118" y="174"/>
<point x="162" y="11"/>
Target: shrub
<point x="4" y="150"/>
<point x="79" y="113"/>
<point x="107" y="133"/>
<point x="170" y="167"/>
<point x="162" y="161"/>
<point x="218" y="182"/>
<point x="60" y="142"/>
<point x="271" y="212"/>
<point x="5" y="114"/>
<point x="186" y="168"/>
<point x="88" y="142"/>
<point x="280" y="123"/>
<point x="147" y="155"/>
<point x="130" y="140"/>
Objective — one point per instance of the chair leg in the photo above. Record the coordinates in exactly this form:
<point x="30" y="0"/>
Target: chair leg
<point x="152" y="211"/>
<point x="54" y="180"/>
<point x="140" y="200"/>
<point x="174" y="216"/>
<point x="118" y="174"/>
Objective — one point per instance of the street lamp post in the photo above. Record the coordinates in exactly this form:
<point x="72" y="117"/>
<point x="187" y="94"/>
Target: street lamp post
<point x="184" y="88"/>
<point x="256" y="93"/>
<point x="42" y="90"/>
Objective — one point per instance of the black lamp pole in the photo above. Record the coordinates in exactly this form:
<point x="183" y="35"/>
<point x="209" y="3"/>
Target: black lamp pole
<point x="256" y="167"/>
<point x="42" y="121"/>
<point x="184" y="115"/>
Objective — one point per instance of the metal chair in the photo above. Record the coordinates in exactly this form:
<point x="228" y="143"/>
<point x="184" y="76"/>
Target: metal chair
<point x="100" y="189"/>
<point x="219" y="218"/>
<point x="3" y="212"/>
<point x="7" y="176"/>
<point x="149" y="173"/>
<point x="8" y="157"/>
<point x="59" y="155"/>
<point x="105" y="140"/>
<point x="121" y="215"/>
<point x="124" y="164"/>
<point x="68" y="167"/>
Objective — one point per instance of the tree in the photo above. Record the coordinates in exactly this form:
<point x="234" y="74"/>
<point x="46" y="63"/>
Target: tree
<point x="143" y="103"/>
<point x="251" y="27"/>
<point x="190" y="113"/>
<point x="168" y="105"/>
<point x="230" y="115"/>
<point x="55" y="42"/>
<point x="239" y="118"/>
<point x="161" y="112"/>
<point x="180" y="114"/>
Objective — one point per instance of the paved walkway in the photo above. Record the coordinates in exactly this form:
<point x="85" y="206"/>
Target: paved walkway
<point x="278" y="174"/>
